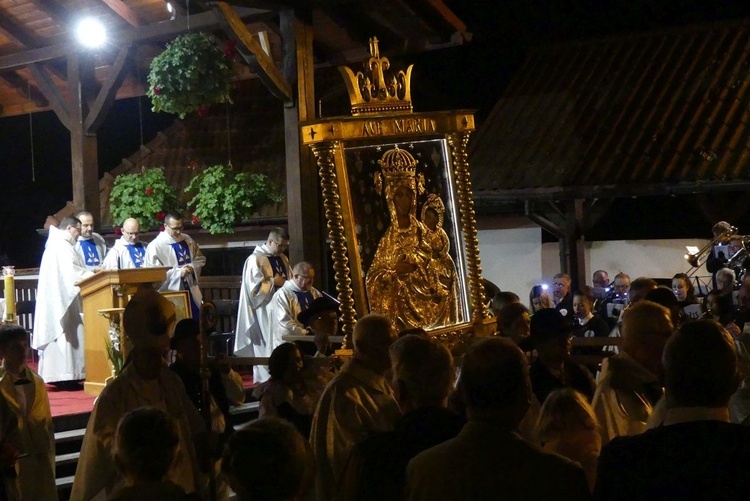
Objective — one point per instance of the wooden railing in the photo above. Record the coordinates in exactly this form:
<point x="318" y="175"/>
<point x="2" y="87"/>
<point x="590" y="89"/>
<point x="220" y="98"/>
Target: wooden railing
<point x="213" y="288"/>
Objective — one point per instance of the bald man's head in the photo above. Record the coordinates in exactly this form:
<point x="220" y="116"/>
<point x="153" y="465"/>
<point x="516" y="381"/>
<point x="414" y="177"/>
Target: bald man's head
<point x="373" y="336"/>
<point x="131" y="228"/>
<point x="646" y="327"/>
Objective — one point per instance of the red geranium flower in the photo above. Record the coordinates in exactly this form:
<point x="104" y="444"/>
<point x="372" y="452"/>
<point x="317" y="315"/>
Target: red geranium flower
<point x="192" y="165"/>
<point x="160" y="215"/>
<point x="157" y="90"/>
<point x="230" y="49"/>
<point x="195" y="219"/>
<point x="149" y="191"/>
<point x="118" y="231"/>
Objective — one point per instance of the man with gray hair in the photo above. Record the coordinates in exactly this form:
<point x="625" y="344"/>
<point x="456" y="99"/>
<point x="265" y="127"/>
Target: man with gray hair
<point x="356" y="404"/>
<point x="90" y="245"/>
<point x="562" y="295"/>
<point x="423" y="375"/>
<point x="697" y="453"/>
<point x="489" y="460"/>
<point x="294" y="297"/>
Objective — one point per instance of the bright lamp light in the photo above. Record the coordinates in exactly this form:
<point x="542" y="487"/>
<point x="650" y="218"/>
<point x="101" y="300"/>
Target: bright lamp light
<point x="91" y="33"/>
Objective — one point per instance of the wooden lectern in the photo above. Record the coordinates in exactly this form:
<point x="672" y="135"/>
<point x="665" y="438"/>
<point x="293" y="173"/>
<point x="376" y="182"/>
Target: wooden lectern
<point x="103" y="291"/>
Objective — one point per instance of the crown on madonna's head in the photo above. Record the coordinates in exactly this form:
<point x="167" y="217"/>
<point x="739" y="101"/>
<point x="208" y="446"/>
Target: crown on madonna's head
<point x="373" y="91"/>
<point x="398" y="165"/>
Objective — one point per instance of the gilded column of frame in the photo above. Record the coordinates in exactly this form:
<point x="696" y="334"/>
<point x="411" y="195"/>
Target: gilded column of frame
<point x="458" y="142"/>
<point x="325" y="153"/>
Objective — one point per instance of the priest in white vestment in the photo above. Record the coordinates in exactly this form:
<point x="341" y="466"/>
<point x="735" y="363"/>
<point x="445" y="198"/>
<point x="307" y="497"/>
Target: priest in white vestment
<point x="144" y="382"/>
<point x="292" y="299"/>
<point x="128" y="252"/>
<point x="266" y="271"/>
<point x="58" y="324"/>
<point x="177" y="250"/>
<point x="90" y="245"/>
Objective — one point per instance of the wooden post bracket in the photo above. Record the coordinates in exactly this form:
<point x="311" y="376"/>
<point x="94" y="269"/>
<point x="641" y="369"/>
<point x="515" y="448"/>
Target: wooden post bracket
<point x="258" y="59"/>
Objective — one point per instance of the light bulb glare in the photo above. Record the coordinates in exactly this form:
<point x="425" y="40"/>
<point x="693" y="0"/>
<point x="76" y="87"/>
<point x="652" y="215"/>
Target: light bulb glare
<point x="91" y="33"/>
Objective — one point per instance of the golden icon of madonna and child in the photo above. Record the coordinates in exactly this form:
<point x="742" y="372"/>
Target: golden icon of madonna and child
<point x="412" y="278"/>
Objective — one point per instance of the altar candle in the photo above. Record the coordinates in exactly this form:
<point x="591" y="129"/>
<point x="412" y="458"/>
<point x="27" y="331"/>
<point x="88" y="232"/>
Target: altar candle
<point x="10" y="295"/>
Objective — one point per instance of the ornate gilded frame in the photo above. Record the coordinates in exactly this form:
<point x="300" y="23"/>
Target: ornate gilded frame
<point x="382" y="124"/>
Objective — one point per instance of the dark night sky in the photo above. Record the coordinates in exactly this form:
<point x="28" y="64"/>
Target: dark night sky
<point x="26" y="203"/>
<point x="469" y="76"/>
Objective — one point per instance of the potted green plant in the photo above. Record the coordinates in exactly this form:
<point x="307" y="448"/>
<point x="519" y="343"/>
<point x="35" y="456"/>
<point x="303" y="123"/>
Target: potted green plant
<point x="145" y="196"/>
<point x="223" y="198"/>
<point x="113" y="345"/>
<point x="192" y="73"/>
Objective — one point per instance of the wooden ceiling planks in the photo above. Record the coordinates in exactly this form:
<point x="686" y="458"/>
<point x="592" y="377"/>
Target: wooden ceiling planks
<point x="42" y="31"/>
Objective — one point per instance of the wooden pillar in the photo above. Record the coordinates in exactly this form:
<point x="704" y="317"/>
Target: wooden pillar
<point x="566" y="221"/>
<point x="83" y="145"/>
<point x="302" y="184"/>
<point x="575" y="252"/>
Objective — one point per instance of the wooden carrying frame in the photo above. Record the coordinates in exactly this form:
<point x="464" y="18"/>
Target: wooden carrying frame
<point x="330" y="139"/>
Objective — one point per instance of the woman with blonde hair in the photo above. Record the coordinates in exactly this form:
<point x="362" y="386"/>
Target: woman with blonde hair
<point x="567" y="426"/>
<point x="539" y="299"/>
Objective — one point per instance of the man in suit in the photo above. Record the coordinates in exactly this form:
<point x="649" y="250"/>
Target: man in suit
<point x="562" y="295"/>
<point x="488" y="459"/>
<point x="697" y="453"/>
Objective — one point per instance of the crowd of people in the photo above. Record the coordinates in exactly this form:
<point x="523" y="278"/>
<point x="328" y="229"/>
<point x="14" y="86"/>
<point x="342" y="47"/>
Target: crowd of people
<point x="622" y="390"/>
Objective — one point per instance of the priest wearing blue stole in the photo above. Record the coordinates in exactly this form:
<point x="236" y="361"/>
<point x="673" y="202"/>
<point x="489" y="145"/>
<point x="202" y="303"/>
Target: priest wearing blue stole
<point x="128" y="252"/>
<point x="173" y="248"/>
<point x="266" y="271"/>
<point x="91" y="246"/>
<point x="292" y="299"/>
<point x="58" y="324"/>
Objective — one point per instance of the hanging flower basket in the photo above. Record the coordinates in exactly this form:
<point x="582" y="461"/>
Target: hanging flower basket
<point x="192" y="73"/>
<point x="224" y="198"/>
<point x="145" y="196"/>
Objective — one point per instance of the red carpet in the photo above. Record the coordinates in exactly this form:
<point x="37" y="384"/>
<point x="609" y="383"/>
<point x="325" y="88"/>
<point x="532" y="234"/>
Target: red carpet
<point x="67" y="402"/>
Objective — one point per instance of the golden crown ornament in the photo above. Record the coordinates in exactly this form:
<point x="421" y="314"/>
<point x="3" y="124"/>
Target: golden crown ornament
<point x="375" y="91"/>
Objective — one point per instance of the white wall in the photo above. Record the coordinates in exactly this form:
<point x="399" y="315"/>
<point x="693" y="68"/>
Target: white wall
<point x="637" y="258"/>
<point x="514" y="258"/>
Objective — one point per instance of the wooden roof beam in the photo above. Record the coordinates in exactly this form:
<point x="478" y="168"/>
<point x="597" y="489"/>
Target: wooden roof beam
<point x="435" y="12"/>
<point x="107" y="93"/>
<point x="25" y="89"/>
<point x="145" y="33"/>
<point x="125" y="12"/>
<point x="22" y="36"/>
<point x="18" y="32"/>
<point x="56" y="99"/>
<point x="261" y="63"/>
<point x="55" y="10"/>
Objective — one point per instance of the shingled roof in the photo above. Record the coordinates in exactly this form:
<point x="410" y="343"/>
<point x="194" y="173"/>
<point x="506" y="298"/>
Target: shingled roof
<point x="657" y="113"/>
